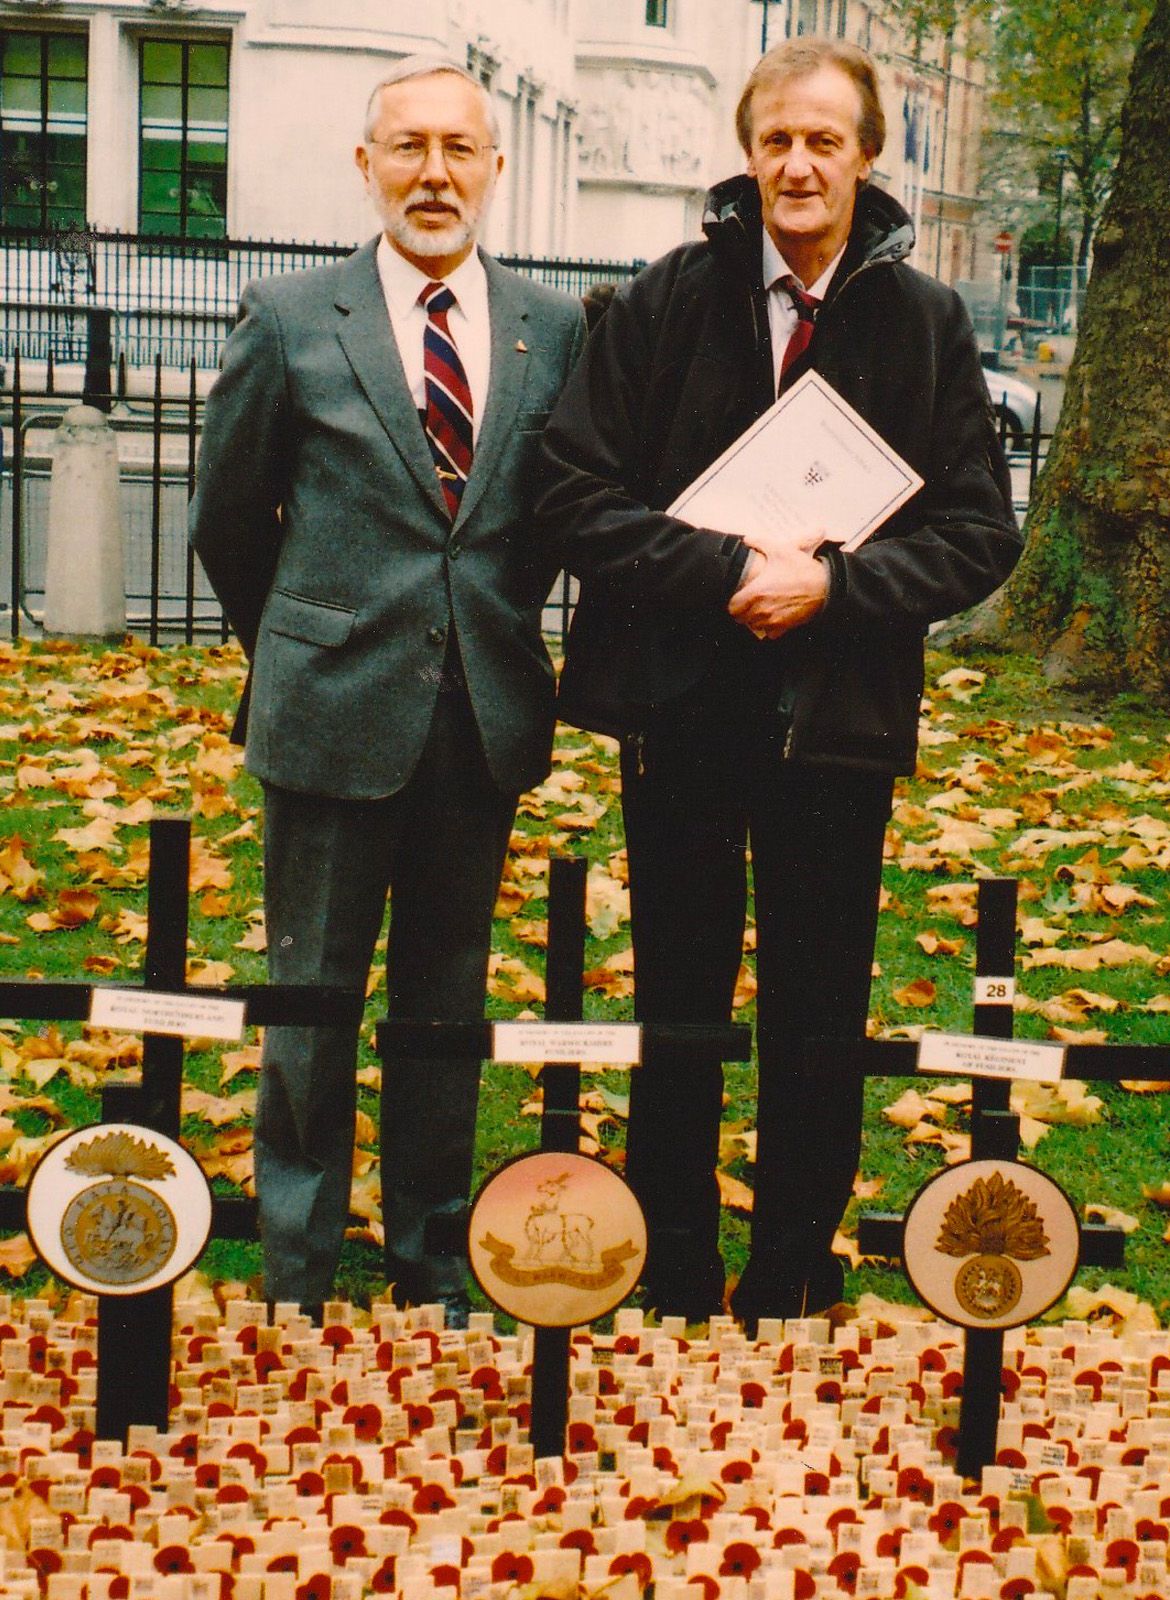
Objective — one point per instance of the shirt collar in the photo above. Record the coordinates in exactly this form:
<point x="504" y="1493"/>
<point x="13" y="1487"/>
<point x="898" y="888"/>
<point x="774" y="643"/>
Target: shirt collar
<point x="403" y="282"/>
<point x="775" y="268"/>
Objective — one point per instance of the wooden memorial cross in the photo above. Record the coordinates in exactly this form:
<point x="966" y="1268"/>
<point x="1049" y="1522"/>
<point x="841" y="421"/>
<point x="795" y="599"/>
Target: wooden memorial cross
<point x="562" y="1032"/>
<point x="134" y="1330"/>
<point x="992" y="1066"/>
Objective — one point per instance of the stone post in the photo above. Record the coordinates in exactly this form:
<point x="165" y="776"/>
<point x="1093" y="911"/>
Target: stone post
<point x="85" y="584"/>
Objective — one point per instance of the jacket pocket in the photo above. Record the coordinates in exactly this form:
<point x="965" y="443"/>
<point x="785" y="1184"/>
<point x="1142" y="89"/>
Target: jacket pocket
<point x="313" y="621"/>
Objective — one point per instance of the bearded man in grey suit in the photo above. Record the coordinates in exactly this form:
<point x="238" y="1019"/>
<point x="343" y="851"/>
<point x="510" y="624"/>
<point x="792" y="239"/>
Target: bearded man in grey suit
<point x="363" y="510"/>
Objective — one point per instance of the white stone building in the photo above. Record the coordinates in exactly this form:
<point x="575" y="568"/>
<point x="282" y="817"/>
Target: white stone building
<point x="238" y="118"/>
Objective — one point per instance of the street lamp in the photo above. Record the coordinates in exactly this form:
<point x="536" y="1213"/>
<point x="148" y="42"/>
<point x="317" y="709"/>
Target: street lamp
<point x="1061" y="159"/>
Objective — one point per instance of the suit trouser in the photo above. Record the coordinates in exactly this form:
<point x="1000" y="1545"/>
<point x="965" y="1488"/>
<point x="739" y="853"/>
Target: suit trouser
<point x="695" y="791"/>
<point x="438" y="847"/>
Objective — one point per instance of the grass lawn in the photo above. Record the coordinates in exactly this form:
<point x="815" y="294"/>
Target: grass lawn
<point x="1071" y="801"/>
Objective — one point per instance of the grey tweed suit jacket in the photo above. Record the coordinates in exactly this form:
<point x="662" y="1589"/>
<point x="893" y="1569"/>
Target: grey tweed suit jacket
<point x="318" y="516"/>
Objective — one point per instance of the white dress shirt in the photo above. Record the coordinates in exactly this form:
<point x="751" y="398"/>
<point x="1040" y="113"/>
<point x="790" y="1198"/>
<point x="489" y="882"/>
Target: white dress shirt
<point x="782" y="318"/>
<point x="468" y="321"/>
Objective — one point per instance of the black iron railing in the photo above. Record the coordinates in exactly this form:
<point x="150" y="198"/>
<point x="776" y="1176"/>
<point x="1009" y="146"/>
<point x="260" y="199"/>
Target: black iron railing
<point x="171" y="297"/>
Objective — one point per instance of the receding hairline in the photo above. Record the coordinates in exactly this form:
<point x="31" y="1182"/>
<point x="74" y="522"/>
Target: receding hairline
<point x="808" y="54"/>
<point x="422" y="66"/>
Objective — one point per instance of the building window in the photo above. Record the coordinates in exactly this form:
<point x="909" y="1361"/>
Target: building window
<point x="842" y="17"/>
<point x="182" y="145"/>
<point x="656" y="13"/>
<point x="42" y="129"/>
<point x="806" y="21"/>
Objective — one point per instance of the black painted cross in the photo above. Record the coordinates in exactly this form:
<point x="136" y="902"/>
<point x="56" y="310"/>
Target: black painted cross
<point x="137" y="1391"/>
<point x="561" y="1111"/>
<point x="994" y="1135"/>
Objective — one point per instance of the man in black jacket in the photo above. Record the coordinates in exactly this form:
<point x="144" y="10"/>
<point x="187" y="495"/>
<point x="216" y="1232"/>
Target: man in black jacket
<point x="764" y="692"/>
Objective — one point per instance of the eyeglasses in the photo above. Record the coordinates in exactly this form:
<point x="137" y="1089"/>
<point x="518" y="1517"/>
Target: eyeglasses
<point x="411" y="151"/>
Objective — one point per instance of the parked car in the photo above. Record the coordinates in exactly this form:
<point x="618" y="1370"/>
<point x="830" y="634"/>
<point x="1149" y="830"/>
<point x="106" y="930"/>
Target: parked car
<point x="1014" y="400"/>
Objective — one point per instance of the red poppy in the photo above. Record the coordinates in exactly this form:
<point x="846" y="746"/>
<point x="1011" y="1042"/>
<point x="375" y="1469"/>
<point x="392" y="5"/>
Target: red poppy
<point x="804" y="1585"/>
<point x="740" y="1560"/>
<point x="231" y="1494"/>
<point x="1148" y="1531"/>
<point x="844" y="1568"/>
<point x="446" y="1576"/>
<point x="551" y="1500"/>
<point x="346" y="1540"/>
<point x="663" y="1460"/>
<point x="310" y="1483"/>
<point x="1016" y="1589"/>
<point x="836" y="1518"/>
<point x="285" y="1563"/>
<point x="719" y="1432"/>
<point x="44" y="1562"/>
<point x="1010" y="1458"/>
<point x="752" y="1395"/>
<point x="708" y="1585"/>
<point x="635" y="1561"/>
<point x="736" y="1471"/>
<point x="511" y="1567"/>
<point x="946" y="1442"/>
<point x="430" y="1499"/>
<point x="579" y="1539"/>
<point x="337" y="1336"/>
<point x="931" y="1360"/>
<point x="639" y="1505"/>
<point x="173" y="1558"/>
<point x="918" y="1576"/>
<point x="419" y="1417"/>
<point x="684" y="1532"/>
<point x="318" y="1587"/>
<point x="759" y="1515"/>
<point x="186" y="1449"/>
<point x="784" y="1536"/>
<point x="816" y="1483"/>
<point x="945" y="1521"/>
<point x="487" y="1381"/>
<point x="105" y="1477"/>
<point x="1060" y="1518"/>
<point x="382" y="1581"/>
<point x="1006" y="1538"/>
<point x="1123" y="1553"/>
<point x="889" y="1544"/>
<point x="913" y="1484"/>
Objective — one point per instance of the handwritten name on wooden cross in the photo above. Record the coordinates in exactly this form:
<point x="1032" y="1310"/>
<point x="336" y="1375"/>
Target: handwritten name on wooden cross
<point x="134" y="1330"/>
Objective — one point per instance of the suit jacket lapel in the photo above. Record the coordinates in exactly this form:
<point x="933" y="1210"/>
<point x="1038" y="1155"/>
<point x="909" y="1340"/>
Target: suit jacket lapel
<point x="372" y="351"/>
<point x="509" y="374"/>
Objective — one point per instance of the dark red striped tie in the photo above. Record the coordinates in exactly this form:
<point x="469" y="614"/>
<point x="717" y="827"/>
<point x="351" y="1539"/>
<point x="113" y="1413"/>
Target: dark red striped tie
<point x="806" y="315"/>
<point x="448" y="419"/>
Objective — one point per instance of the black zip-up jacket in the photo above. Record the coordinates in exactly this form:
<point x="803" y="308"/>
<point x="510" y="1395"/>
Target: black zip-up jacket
<point x="679" y="368"/>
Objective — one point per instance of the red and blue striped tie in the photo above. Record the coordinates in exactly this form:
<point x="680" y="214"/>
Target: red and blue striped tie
<point x="448" y="419"/>
<point x="800" y="338"/>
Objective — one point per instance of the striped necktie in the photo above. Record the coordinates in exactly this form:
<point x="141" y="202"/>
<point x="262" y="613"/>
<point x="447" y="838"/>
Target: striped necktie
<point x="806" y="314"/>
<point x="448" y="416"/>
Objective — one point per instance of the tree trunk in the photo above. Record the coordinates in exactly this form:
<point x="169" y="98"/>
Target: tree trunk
<point x="1092" y="592"/>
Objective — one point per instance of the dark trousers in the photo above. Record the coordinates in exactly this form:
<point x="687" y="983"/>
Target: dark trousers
<point x="699" y="788"/>
<point x="437" y="847"/>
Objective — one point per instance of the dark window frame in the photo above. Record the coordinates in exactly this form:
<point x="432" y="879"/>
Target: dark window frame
<point x="53" y="217"/>
<point x="149" y="220"/>
<point x="657" y="13"/>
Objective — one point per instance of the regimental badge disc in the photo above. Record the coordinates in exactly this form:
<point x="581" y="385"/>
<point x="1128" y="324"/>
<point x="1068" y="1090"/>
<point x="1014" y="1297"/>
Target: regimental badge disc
<point x="118" y="1209"/>
<point x="991" y="1244"/>
<point x="556" y="1240"/>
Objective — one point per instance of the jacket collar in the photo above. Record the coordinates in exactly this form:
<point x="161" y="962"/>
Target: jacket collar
<point x="732" y="219"/>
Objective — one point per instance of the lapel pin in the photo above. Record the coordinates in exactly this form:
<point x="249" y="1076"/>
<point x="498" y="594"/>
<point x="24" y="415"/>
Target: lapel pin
<point x="522" y="347"/>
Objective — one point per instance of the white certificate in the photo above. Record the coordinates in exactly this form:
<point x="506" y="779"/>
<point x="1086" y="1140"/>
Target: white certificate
<point x="809" y="467"/>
